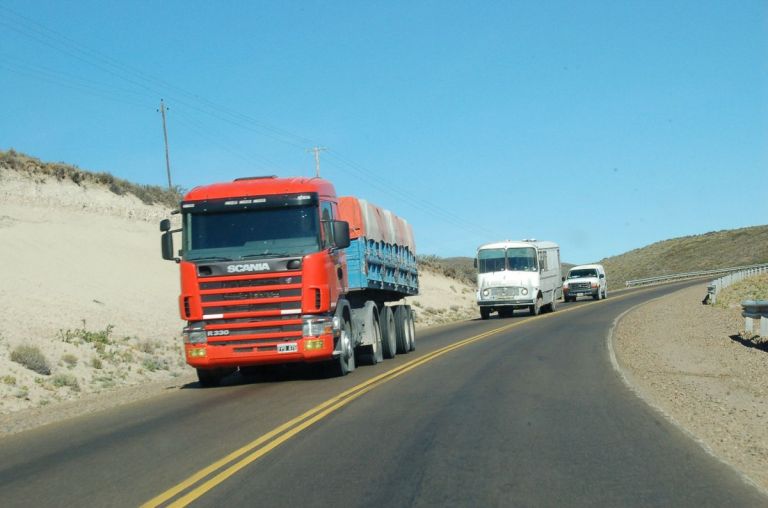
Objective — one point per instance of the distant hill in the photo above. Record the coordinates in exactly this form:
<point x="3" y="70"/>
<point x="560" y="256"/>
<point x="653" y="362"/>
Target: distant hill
<point x="709" y="251"/>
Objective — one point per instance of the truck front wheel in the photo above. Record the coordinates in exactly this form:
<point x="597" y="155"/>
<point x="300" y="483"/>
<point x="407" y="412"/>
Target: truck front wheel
<point x="485" y="312"/>
<point x="535" y="309"/>
<point x="345" y="362"/>
<point x="212" y="377"/>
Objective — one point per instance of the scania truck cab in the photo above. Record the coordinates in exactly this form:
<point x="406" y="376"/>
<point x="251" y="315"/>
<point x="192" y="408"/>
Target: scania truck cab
<point x="518" y="275"/>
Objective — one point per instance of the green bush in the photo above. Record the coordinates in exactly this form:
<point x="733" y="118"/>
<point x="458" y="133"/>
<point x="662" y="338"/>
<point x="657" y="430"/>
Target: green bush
<point x="8" y="380"/>
<point x="70" y="360"/>
<point x="81" y="335"/>
<point x="154" y="363"/>
<point x="65" y="380"/>
<point x="31" y="358"/>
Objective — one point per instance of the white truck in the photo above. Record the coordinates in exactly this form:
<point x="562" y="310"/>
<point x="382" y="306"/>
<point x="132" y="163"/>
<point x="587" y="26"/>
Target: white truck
<point x="518" y="275"/>
<point x="585" y="280"/>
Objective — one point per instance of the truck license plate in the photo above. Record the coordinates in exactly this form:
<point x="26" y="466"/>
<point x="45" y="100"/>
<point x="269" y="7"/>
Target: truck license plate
<point x="291" y="347"/>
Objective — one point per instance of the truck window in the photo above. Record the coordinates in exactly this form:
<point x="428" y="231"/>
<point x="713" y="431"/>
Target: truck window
<point x="582" y="272"/>
<point x="522" y="259"/>
<point x="326" y="216"/>
<point x="490" y="260"/>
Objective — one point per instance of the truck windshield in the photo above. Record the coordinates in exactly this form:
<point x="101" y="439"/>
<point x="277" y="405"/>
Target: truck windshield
<point x="522" y="259"/>
<point x="576" y="274"/>
<point x="516" y="259"/>
<point x="250" y="234"/>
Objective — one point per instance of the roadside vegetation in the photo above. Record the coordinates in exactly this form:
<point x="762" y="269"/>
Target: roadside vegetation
<point x="90" y="360"/>
<point x="752" y="288"/>
<point x="41" y="171"/>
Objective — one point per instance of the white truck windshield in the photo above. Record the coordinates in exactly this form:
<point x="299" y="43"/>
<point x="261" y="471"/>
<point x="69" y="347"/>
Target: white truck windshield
<point x="522" y="259"/>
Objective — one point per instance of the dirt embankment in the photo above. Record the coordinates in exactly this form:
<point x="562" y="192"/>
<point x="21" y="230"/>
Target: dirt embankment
<point x="688" y="361"/>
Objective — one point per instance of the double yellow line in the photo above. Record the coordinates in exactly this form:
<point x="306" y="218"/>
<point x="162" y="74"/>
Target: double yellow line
<point x="240" y="458"/>
<point x="207" y="478"/>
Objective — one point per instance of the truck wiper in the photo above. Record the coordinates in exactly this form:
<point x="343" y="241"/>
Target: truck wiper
<point x="210" y="258"/>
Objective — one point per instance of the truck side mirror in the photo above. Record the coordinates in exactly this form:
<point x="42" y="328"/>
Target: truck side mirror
<point x="165" y="225"/>
<point x="602" y="275"/>
<point x="340" y="234"/>
<point x="475" y="262"/>
<point x="562" y="279"/>
<point x="166" y="245"/>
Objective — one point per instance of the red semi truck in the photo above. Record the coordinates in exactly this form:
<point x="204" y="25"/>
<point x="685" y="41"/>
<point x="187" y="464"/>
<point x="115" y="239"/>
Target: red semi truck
<point x="281" y="270"/>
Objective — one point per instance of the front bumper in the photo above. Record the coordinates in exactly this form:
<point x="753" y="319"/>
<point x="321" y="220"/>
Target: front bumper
<point x="212" y="354"/>
<point x="495" y="304"/>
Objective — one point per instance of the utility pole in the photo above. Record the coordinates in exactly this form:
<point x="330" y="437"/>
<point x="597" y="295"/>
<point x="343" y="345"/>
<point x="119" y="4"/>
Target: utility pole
<point x="165" y="137"/>
<point x="317" y="151"/>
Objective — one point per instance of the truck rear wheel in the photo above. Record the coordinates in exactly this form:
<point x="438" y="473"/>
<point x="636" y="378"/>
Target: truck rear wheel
<point x="553" y="305"/>
<point x="372" y="353"/>
<point x="402" y="329"/>
<point x="388" y="334"/>
<point x="412" y="326"/>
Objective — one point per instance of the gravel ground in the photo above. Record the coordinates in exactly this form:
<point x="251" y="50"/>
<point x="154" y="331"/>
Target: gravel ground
<point x="688" y="361"/>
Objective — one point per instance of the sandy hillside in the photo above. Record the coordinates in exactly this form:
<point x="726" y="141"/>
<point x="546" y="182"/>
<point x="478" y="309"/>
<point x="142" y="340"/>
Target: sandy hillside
<point x="90" y="304"/>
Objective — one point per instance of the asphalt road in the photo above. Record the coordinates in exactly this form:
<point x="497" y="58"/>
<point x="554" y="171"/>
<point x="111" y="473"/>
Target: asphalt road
<point x="505" y="412"/>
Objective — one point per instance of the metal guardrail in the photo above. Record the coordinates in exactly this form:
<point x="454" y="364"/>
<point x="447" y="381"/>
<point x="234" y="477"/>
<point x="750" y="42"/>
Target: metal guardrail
<point x="752" y="310"/>
<point x="662" y="279"/>
<point x="717" y="285"/>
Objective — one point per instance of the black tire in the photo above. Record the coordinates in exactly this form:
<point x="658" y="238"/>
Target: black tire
<point x="208" y="378"/>
<point x="345" y="362"/>
<point x="372" y="354"/>
<point x="485" y="312"/>
<point x="402" y="329"/>
<point x="388" y="334"/>
<point x="553" y="305"/>
<point x="596" y="296"/>
<point x="535" y="309"/>
<point x="412" y="327"/>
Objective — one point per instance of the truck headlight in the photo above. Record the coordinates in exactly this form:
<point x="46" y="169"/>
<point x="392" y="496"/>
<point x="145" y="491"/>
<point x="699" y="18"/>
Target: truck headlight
<point x="194" y="334"/>
<point x="486" y="292"/>
<point x="313" y="326"/>
<point x="524" y="291"/>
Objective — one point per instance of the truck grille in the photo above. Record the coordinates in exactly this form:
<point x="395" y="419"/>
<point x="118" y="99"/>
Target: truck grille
<point x="580" y="286"/>
<point x="253" y="308"/>
<point x="504" y="292"/>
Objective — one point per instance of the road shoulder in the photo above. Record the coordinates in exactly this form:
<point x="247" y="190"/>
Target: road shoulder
<point x="682" y="358"/>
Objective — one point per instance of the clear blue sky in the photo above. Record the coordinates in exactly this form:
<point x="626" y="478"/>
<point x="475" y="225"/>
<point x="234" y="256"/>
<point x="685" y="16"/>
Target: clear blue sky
<point x="603" y="126"/>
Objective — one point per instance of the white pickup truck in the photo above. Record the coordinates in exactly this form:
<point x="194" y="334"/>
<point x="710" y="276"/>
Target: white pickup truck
<point x="585" y="280"/>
